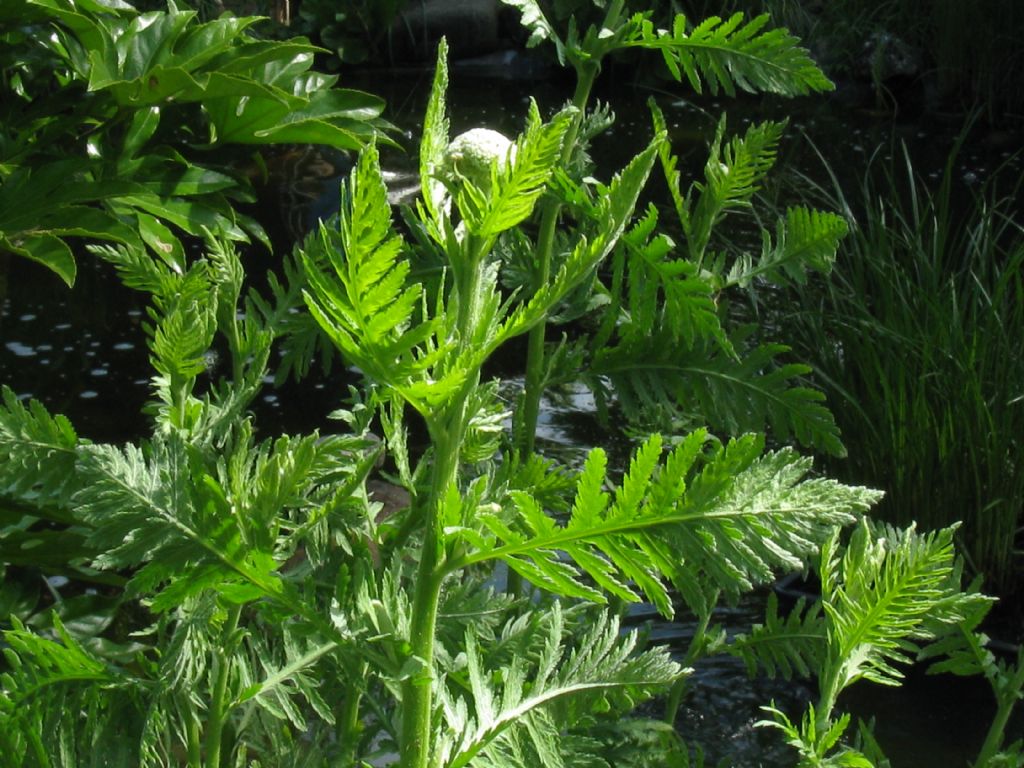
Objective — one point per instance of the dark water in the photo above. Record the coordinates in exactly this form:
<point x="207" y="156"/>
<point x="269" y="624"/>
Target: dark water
<point x="82" y="353"/>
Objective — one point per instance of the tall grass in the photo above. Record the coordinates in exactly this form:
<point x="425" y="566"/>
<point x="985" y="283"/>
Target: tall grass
<point x="919" y="342"/>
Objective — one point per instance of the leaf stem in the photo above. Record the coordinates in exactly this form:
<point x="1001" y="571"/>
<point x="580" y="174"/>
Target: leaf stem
<point x="533" y="387"/>
<point x="195" y="742"/>
<point x="695" y="649"/>
<point x="350" y="727"/>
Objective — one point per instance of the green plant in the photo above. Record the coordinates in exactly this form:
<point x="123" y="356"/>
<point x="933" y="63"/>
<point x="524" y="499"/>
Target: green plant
<point x="882" y="595"/>
<point x="916" y="340"/>
<point x="287" y="618"/>
<point x="108" y="117"/>
<point x="356" y="32"/>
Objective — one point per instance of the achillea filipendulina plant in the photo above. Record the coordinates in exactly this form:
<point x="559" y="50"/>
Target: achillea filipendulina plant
<point x="287" y="621"/>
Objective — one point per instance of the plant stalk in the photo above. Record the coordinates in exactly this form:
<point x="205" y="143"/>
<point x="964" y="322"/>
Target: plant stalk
<point x="586" y="74"/>
<point x="525" y="425"/>
<point x="218" y="706"/>
<point x="446" y="435"/>
<point x="693" y="651"/>
<point x="1006" y="698"/>
<point x="533" y="387"/>
<point x="349" y="724"/>
<point x="195" y="743"/>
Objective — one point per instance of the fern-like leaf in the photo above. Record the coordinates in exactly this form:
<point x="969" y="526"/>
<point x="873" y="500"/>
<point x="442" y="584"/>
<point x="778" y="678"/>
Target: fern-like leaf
<point x="289" y="677"/>
<point x="666" y="298"/>
<point x="183" y="326"/>
<point x="45" y="680"/>
<point x="37" y="453"/>
<point x="730" y="54"/>
<point x="433" y="145"/>
<point x="732" y="524"/>
<point x="877" y="604"/>
<point x="612" y="214"/>
<point x="812" y="742"/>
<point x="149" y="506"/>
<point x="651" y="379"/>
<point x="534" y="20"/>
<point x="535" y="705"/>
<point x="360" y="294"/>
<point x="732" y="175"/>
<point x="805" y="240"/>
<point x="787" y="646"/>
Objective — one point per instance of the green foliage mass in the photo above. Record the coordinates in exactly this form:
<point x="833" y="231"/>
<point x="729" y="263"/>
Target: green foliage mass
<point x="279" y="613"/>
<point x="106" y="112"/>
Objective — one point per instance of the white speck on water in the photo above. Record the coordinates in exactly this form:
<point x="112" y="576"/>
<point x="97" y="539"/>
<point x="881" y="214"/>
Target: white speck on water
<point x="20" y="349"/>
<point x="124" y="346"/>
<point x="27" y="317"/>
<point x="88" y="394"/>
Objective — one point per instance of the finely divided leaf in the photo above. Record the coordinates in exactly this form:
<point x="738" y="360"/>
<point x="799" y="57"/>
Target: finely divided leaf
<point x="614" y="211"/>
<point x="732" y="174"/>
<point x="786" y="646"/>
<point x="888" y="584"/>
<point x="652" y="380"/>
<point x="434" y="141"/>
<point x="518" y="186"/>
<point x="733" y="523"/>
<point x="535" y="705"/>
<point x="730" y="54"/>
<point x="360" y="294"/>
<point x="806" y="240"/>
<point x="540" y="28"/>
<point x="37" y="453"/>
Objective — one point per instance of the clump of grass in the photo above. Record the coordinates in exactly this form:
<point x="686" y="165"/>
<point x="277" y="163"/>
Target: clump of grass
<point x="918" y="340"/>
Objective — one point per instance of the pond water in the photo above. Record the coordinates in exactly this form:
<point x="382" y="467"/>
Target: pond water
<point x="82" y="353"/>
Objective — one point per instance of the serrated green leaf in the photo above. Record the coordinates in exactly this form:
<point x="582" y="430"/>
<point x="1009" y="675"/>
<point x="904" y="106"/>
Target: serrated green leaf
<point x="740" y="518"/>
<point x="732" y="54"/>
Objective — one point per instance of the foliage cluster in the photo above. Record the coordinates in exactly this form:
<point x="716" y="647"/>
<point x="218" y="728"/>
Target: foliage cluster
<point x="109" y="115"/>
<point x="355" y="32"/>
<point x="277" y="614"/>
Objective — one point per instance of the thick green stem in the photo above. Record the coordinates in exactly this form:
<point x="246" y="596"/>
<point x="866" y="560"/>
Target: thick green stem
<point x="1006" y="697"/>
<point x="417" y="692"/>
<point x="219" y="706"/>
<point x="447" y="434"/>
<point x="180" y="390"/>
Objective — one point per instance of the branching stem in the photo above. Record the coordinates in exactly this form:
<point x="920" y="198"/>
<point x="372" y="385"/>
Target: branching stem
<point x="1006" y="696"/>
<point x="447" y="433"/>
